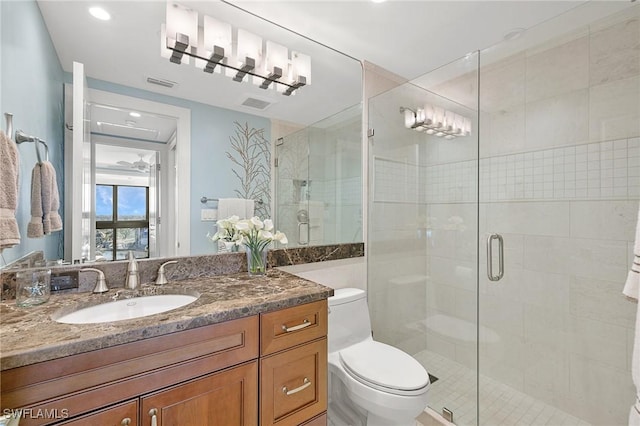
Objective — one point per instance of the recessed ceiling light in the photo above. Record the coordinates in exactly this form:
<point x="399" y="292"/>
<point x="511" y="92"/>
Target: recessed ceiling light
<point x="134" y="114"/>
<point x="378" y="1"/>
<point x="99" y="13"/>
<point x="514" y="34"/>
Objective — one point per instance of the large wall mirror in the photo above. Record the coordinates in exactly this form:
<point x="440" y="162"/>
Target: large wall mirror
<point x="159" y="143"/>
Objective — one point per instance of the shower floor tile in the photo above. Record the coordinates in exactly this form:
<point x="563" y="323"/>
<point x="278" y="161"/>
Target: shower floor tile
<point x="500" y="405"/>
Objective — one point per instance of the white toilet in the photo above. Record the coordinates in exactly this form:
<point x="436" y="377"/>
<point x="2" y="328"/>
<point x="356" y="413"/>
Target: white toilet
<point x="370" y="383"/>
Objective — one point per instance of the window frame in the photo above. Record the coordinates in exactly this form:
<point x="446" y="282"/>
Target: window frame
<point x="116" y="223"/>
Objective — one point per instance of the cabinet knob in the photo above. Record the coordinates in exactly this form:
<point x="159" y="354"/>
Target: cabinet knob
<point x="126" y="421"/>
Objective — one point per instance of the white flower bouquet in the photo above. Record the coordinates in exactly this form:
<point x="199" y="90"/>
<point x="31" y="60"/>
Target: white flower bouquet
<point x="254" y="234"/>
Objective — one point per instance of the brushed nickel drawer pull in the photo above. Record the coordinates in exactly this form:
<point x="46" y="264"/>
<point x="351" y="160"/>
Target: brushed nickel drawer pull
<point x="304" y="324"/>
<point x="154" y="419"/>
<point x="126" y="421"/>
<point x="305" y="384"/>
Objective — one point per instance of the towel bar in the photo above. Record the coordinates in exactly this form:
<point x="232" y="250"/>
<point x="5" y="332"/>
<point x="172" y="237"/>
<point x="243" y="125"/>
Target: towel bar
<point x="204" y="200"/>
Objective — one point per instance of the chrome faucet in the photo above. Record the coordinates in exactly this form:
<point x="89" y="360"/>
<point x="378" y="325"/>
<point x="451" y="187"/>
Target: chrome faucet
<point x="101" y="282"/>
<point x="133" y="276"/>
<point x="162" y="279"/>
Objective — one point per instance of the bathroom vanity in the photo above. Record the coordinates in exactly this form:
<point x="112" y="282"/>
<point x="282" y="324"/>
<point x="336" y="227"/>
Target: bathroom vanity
<point x="248" y="351"/>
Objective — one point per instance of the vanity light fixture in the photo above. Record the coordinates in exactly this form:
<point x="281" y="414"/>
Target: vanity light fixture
<point x="240" y="55"/>
<point x="436" y="121"/>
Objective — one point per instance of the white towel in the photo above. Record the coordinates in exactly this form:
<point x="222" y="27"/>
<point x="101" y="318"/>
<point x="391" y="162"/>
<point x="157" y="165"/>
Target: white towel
<point x="249" y="208"/>
<point x="632" y="286"/>
<point x="9" y="184"/>
<point x="632" y="290"/>
<point x="235" y="207"/>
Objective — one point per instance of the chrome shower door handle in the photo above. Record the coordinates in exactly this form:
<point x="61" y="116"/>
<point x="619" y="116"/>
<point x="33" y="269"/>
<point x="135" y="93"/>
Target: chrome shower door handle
<point x="300" y="240"/>
<point x="490" y="257"/>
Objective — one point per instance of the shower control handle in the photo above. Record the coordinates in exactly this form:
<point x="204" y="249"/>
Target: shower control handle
<point x="490" y="257"/>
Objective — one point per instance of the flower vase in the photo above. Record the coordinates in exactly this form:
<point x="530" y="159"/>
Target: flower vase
<point x="256" y="261"/>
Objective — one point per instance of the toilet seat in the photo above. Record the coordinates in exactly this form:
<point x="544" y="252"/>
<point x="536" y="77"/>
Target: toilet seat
<point x="385" y="368"/>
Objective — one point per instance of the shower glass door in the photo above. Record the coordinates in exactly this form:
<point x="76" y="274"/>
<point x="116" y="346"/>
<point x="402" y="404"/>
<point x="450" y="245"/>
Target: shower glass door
<point x="560" y="182"/>
<point x="548" y="182"/>
<point x="423" y="227"/>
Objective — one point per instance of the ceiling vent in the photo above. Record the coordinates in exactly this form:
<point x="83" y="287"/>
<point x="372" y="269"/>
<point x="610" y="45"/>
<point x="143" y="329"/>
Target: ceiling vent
<point x="256" y="103"/>
<point x="161" y="82"/>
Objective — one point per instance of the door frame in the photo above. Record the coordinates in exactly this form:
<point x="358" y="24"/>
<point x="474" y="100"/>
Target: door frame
<point x="179" y="216"/>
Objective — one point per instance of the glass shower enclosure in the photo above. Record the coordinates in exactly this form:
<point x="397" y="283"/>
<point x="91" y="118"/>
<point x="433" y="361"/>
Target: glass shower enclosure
<point x="318" y="181"/>
<point x="497" y="254"/>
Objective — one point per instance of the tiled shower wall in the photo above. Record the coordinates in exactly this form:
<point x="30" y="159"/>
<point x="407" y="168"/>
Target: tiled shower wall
<point x="559" y="178"/>
<point x="595" y="171"/>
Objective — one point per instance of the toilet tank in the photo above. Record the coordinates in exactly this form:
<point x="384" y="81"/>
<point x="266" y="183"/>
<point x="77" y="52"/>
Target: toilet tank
<point x="349" y="320"/>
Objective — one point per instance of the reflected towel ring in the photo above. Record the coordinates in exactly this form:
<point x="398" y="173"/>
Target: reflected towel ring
<point x="46" y="150"/>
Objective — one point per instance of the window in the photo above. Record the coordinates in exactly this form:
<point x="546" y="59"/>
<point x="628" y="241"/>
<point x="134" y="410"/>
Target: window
<point x="122" y="221"/>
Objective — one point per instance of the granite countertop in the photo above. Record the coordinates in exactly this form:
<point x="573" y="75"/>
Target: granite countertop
<point x="30" y="335"/>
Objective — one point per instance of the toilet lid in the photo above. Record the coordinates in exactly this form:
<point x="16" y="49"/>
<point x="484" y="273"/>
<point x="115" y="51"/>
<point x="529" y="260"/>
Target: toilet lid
<point x="384" y="366"/>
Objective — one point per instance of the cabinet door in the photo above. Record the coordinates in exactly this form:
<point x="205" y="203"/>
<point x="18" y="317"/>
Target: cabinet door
<point x="125" y="414"/>
<point x="228" y="398"/>
<point x="293" y="385"/>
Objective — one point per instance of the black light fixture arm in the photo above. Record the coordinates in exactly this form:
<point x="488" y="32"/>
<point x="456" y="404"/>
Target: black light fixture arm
<point x="181" y="48"/>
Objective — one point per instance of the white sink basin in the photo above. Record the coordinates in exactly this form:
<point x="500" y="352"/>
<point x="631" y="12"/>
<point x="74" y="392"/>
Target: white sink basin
<point x="135" y="307"/>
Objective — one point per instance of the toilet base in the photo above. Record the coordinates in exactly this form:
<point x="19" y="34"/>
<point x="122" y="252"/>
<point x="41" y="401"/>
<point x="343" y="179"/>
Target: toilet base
<point x="342" y="411"/>
<point x="373" y="420"/>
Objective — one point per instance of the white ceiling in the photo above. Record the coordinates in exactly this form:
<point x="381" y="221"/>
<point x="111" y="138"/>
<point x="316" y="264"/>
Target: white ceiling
<point x="408" y="38"/>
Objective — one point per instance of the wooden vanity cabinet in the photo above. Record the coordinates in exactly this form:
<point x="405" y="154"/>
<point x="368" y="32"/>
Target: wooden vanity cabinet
<point x="226" y="398"/>
<point x="267" y="369"/>
<point x="80" y="384"/>
<point x="293" y="365"/>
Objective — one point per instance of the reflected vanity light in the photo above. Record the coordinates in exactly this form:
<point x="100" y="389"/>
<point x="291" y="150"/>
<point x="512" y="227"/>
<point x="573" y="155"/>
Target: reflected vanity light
<point x="99" y="13"/>
<point x="242" y="56"/>
<point x="437" y="121"/>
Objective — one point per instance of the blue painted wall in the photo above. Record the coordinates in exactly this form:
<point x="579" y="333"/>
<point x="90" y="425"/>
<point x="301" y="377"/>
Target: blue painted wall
<point x="32" y="89"/>
<point x="211" y="174"/>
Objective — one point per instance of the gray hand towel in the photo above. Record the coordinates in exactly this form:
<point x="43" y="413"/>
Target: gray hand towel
<point x="9" y="186"/>
<point x="55" y="222"/>
<point x="35" y="228"/>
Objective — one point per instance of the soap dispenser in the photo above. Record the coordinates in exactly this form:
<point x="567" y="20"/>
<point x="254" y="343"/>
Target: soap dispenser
<point x="133" y="276"/>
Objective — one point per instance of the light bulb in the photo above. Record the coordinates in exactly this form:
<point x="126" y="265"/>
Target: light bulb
<point x="409" y="119"/>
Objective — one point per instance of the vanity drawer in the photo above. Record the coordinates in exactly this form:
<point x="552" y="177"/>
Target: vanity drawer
<point x="293" y="385"/>
<point x="292" y="326"/>
<point x="125" y="414"/>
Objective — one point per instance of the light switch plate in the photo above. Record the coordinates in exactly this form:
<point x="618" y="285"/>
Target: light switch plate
<point x="208" y="215"/>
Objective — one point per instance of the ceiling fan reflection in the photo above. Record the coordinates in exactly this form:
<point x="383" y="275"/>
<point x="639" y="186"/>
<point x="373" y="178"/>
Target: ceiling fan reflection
<point x="141" y="165"/>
